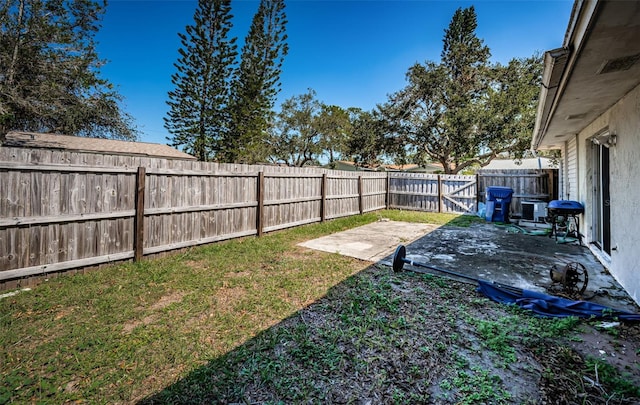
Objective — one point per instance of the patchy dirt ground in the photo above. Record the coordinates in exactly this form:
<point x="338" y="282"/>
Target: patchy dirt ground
<point x="384" y="337"/>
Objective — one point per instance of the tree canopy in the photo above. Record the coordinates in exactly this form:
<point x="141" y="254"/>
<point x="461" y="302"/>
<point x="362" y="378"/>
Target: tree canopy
<point x="305" y="130"/>
<point x="367" y="142"/>
<point x="50" y="71"/>
<point x="335" y="127"/>
<point x="463" y="111"/>
<point x="295" y="138"/>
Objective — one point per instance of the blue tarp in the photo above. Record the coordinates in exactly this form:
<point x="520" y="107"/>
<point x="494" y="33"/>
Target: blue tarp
<point x="550" y="306"/>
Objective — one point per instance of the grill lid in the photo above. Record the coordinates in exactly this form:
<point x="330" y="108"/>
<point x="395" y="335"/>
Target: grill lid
<point x="565" y="207"/>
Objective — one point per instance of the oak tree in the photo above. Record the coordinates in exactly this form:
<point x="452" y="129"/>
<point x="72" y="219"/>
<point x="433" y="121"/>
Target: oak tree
<point x="334" y="126"/>
<point x="463" y="111"/>
<point x="295" y="136"/>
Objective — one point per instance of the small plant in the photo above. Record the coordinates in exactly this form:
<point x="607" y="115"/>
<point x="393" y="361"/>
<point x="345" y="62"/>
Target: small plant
<point x="446" y="385"/>
<point x="479" y="386"/>
<point x="557" y="326"/>
<point x="498" y="336"/>
<point x="398" y="397"/>
<point x="618" y="384"/>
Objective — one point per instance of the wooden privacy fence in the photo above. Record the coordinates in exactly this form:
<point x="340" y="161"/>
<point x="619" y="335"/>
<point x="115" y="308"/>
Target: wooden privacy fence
<point x="433" y="192"/>
<point x="62" y="210"/>
<point x="56" y="217"/>
<point x="527" y="185"/>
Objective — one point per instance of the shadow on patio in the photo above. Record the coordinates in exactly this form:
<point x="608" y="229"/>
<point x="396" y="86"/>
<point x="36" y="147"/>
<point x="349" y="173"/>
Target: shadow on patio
<point x="493" y="252"/>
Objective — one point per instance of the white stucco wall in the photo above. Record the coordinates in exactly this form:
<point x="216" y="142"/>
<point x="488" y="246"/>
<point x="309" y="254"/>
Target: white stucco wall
<point x="623" y="119"/>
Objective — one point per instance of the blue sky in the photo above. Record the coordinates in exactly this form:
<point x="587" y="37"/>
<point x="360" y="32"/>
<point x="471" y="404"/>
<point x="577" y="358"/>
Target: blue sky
<point x="353" y="53"/>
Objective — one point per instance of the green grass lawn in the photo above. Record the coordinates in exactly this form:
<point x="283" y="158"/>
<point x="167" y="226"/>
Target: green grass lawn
<point x="128" y="330"/>
<point x="247" y="317"/>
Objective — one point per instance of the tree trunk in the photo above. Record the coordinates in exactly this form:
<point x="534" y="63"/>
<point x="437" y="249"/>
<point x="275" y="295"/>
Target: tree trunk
<point x="14" y="57"/>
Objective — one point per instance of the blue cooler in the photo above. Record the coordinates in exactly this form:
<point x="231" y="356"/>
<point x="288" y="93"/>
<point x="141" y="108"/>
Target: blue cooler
<point x="498" y="203"/>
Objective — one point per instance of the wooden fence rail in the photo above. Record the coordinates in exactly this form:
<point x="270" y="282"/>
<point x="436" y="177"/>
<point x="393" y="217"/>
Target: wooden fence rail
<point x="56" y="217"/>
<point x="433" y="192"/>
<point x="527" y="185"/>
<point x="69" y="210"/>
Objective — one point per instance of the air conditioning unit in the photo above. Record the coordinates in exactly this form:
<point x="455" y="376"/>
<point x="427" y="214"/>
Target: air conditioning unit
<point x="535" y="211"/>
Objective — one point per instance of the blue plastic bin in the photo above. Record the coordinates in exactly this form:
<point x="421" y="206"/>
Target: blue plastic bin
<point x="498" y="203"/>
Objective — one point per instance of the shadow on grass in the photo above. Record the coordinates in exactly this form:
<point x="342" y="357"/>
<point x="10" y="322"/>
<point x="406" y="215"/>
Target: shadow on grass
<point x="385" y="337"/>
<point x="378" y="336"/>
<point x="363" y="340"/>
<point x="343" y="332"/>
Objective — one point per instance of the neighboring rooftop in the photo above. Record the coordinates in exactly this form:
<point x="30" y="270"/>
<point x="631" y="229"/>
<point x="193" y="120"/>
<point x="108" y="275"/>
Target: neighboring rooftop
<point x="92" y="145"/>
<point x="531" y="163"/>
<point x="350" y="166"/>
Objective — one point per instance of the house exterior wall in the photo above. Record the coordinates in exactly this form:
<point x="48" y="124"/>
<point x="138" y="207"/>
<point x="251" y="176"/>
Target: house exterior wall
<point x="623" y="120"/>
<point x="571" y="178"/>
<point x="562" y="181"/>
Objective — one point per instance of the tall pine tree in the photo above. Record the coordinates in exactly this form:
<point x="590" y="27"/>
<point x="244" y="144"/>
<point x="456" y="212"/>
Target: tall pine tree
<point x="199" y="105"/>
<point x="256" y="84"/>
<point x="50" y="71"/>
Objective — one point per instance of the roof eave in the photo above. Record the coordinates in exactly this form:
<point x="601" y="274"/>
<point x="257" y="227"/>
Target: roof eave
<point x="555" y="62"/>
<point x="558" y="66"/>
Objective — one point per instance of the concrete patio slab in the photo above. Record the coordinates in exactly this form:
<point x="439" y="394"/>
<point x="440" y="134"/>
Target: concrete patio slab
<point x="483" y="251"/>
<point x="372" y="242"/>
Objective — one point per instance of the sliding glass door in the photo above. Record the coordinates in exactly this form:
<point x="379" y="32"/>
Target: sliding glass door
<point x="601" y="210"/>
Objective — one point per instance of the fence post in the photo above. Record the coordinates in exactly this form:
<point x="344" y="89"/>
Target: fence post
<point x="260" y="208"/>
<point x="360" y="194"/>
<point x="550" y="183"/>
<point x="388" y="192"/>
<point x="439" y="193"/>
<point x="138" y="223"/>
<point x="323" y="198"/>
<point x="477" y="191"/>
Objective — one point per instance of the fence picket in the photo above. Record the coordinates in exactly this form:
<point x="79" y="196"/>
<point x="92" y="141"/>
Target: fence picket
<point x="60" y="210"/>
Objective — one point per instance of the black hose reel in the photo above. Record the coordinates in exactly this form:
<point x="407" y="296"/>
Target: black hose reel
<point x="573" y="277"/>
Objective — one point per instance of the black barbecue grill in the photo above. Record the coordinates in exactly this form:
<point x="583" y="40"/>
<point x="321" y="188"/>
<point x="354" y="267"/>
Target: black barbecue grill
<point x="564" y="214"/>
